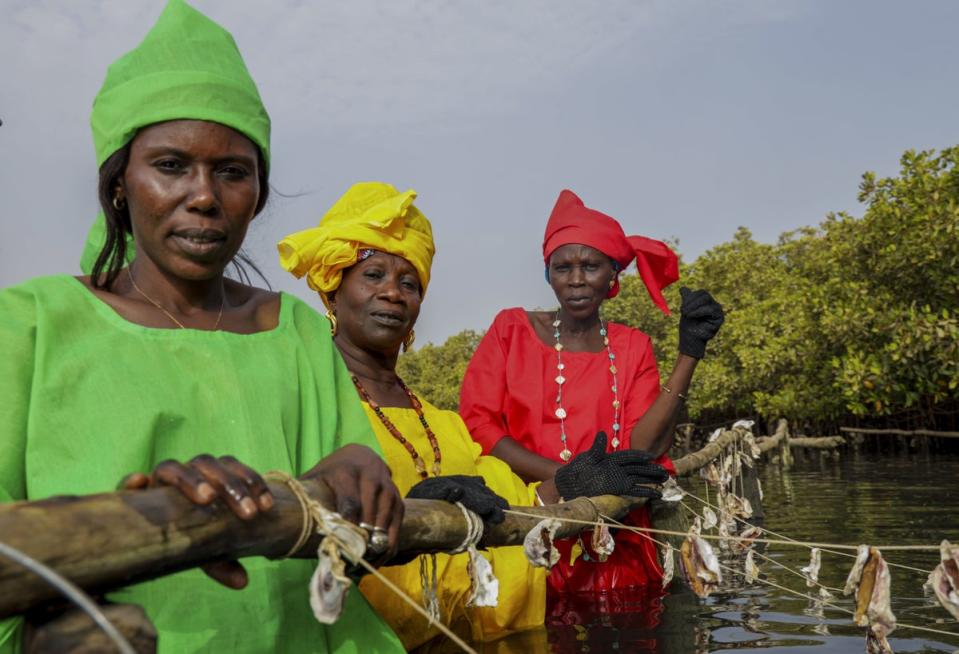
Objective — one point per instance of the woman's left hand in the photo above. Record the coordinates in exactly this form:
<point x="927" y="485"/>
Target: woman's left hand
<point x="700" y="319"/>
<point x="471" y="492"/>
<point x="364" y="490"/>
<point x="204" y="480"/>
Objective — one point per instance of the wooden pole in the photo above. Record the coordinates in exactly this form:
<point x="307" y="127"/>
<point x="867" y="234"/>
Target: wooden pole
<point x="691" y="463"/>
<point x="901" y="432"/>
<point x="102" y="542"/>
<point x="818" y="443"/>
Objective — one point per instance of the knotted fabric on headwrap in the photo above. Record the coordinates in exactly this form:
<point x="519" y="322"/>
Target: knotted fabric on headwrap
<point x="573" y="222"/>
<point x="370" y="215"/>
<point x="186" y="68"/>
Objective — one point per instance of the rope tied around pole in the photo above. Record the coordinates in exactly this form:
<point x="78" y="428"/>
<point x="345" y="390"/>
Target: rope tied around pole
<point x="329" y="583"/>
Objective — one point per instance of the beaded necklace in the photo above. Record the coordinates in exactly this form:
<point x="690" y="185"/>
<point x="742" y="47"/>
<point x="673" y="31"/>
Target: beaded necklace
<point x="560" y="412"/>
<point x="390" y="427"/>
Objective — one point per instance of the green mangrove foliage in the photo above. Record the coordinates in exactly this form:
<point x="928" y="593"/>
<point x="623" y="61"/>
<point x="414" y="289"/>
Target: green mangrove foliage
<point x="856" y="317"/>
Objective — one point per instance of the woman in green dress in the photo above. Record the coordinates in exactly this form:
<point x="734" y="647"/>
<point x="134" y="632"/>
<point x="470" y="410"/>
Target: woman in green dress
<point x="137" y="367"/>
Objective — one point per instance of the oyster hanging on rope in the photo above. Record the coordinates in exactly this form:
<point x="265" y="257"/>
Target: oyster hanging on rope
<point x="710" y="473"/>
<point x="747" y="538"/>
<point x="329" y="584"/>
<point x="484" y="586"/>
<point x="752" y="570"/>
<point x="811" y="571"/>
<point x="669" y="564"/>
<point x="944" y="579"/>
<point x="602" y="543"/>
<point x="709" y="518"/>
<point x="538" y="544"/>
<point x="751" y="446"/>
<point x="700" y="565"/>
<point x="870" y="580"/>
<point x="672" y="492"/>
<point x="739" y="507"/>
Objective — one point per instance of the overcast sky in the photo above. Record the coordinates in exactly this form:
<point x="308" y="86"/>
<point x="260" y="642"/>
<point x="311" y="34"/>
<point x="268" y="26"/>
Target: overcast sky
<point x="683" y="119"/>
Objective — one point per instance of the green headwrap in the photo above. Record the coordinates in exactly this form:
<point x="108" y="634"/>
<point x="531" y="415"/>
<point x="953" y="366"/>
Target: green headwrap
<point x="187" y="67"/>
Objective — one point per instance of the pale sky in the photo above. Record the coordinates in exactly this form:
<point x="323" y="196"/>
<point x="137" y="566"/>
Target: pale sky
<point x="683" y="119"/>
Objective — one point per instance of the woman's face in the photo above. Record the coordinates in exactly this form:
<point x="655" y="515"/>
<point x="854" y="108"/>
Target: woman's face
<point x="580" y="277"/>
<point x="192" y="188"/>
<point x="378" y="302"/>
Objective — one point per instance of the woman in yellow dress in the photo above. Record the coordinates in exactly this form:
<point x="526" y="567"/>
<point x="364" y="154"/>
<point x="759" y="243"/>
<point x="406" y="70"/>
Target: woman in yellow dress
<point x="370" y="259"/>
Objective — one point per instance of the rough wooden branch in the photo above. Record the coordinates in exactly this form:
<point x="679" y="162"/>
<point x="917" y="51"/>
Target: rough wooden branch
<point x="767" y="443"/>
<point x="901" y="432"/>
<point x="819" y="443"/>
<point x="102" y="542"/>
<point x="692" y="462"/>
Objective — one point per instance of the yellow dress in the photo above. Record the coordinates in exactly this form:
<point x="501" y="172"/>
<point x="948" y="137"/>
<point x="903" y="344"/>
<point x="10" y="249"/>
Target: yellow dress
<point x="522" y="588"/>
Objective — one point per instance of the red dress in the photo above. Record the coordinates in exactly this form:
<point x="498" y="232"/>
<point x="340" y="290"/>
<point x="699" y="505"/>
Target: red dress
<point x="510" y="389"/>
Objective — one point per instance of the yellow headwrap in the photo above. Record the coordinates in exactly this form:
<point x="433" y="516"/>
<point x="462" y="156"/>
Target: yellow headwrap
<point x="370" y="215"/>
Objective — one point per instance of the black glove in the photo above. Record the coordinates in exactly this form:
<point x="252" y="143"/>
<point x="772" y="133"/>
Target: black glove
<point x="594" y="472"/>
<point x="700" y="319"/>
<point x="472" y="492"/>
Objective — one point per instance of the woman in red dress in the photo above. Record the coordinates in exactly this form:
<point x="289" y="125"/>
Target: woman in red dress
<point x="543" y="383"/>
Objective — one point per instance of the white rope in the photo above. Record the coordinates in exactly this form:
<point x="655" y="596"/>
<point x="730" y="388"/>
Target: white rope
<point x="71" y="592"/>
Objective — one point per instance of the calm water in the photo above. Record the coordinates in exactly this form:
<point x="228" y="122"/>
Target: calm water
<point x="856" y="499"/>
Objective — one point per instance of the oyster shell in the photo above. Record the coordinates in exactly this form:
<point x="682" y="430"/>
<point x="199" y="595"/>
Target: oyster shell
<point x="329" y="584"/>
<point x="669" y="565"/>
<point x="752" y="570"/>
<point x="538" y="544"/>
<point x="602" y="543"/>
<point x="944" y="579"/>
<point x="700" y="565"/>
<point x="484" y="586"/>
<point x="739" y="506"/>
<point x="671" y="491"/>
<point x="747" y="538"/>
<point x="709" y="518"/>
<point x="871" y="581"/>
<point x="811" y="571"/>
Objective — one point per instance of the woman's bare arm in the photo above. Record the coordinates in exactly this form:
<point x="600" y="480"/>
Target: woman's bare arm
<point x="654" y="431"/>
<point x="527" y="465"/>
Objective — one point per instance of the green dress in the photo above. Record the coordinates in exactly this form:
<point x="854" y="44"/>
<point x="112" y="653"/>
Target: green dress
<point x="88" y="397"/>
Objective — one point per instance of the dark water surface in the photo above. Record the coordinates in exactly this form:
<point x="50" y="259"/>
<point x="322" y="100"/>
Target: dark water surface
<point x="857" y="498"/>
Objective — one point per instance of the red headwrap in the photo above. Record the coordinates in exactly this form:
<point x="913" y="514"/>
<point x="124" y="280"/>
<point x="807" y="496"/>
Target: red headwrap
<point x="573" y="222"/>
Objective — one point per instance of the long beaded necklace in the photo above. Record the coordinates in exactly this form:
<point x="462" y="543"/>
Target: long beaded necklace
<point x="560" y="412"/>
<point x="418" y="462"/>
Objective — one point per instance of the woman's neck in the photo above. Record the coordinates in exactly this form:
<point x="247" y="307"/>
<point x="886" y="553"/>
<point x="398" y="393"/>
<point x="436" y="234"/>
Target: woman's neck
<point x="376" y="372"/>
<point x="185" y="296"/>
<point x="578" y="327"/>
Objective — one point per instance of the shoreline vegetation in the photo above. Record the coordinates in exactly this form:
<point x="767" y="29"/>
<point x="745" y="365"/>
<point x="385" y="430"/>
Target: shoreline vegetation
<point x="851" y="323"/>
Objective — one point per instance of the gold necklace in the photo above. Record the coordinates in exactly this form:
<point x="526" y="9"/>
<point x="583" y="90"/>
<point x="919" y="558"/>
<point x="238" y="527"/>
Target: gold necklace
<point x="169" y="315"/>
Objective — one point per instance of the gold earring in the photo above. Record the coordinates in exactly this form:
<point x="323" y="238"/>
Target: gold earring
<point x="118" y="202"/>
<point x="408" y="341"/>
<point x="612" y="283"/>
<point x="332" y="318"/>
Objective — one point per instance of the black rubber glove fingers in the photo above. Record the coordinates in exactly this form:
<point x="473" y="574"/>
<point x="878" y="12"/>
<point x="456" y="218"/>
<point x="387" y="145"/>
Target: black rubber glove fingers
<point x="595" y="472"/>
<point x="472" y="492"/>
<point x="700" y="319"/>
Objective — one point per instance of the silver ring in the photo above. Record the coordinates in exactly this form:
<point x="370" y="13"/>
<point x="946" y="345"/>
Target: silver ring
<point x="365" y="526"/>
<point x="379" y="541"/>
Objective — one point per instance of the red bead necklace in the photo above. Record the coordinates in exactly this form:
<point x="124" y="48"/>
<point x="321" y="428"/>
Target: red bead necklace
<point x="390" y="427"/>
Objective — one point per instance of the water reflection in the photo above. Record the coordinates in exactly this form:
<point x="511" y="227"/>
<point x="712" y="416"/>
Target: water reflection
<point x="857" y="498"/>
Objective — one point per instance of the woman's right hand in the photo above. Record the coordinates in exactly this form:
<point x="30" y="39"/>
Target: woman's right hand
<point x="365" y="493"/>
<point x="204" y="480"/>
<point x="596" y="472"/>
